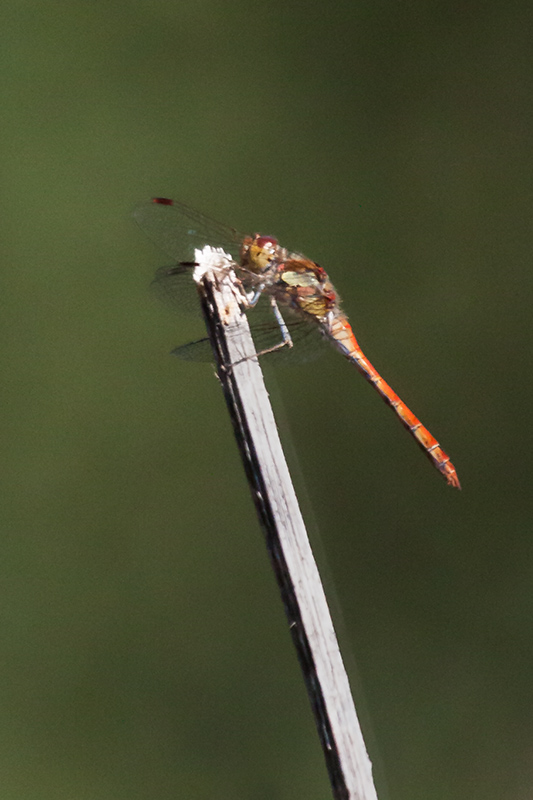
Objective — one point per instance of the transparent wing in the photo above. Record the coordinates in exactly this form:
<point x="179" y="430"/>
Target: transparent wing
<point x="176" y="288"/>
<point x="178" y="229"/>
<point x="308" y="343"/>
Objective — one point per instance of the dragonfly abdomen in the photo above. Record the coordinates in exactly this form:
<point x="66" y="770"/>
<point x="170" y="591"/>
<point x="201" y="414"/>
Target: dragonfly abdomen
<point x="340" y="330"/>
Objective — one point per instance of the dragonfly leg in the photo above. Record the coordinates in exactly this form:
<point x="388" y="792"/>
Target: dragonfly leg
<point x="285" y="335"/>
<point x="286" y="340"/>
<point x="253" y="298"/>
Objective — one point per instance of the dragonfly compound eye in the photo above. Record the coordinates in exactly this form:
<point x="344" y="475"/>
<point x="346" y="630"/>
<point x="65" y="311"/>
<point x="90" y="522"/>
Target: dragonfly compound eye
<point x="269" y="242"/>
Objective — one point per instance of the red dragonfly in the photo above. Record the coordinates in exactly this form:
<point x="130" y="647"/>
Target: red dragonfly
<point x="268" y="270"/>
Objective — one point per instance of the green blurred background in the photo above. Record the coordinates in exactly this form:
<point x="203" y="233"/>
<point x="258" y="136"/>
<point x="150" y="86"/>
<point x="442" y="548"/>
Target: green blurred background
<point x="144" y="651"/>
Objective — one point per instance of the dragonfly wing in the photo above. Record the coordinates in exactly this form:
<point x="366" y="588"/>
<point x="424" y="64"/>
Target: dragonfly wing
<point x="178" y="230"/>
<point x="200" y="351"/>
<point x="308" y="346"/>
<point x="308" y="343"/>
<point x="265" y="331"/>
<point x="176" y="288"/>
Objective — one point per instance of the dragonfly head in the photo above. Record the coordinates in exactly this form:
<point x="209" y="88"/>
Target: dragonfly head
<point x="259" y="252"/>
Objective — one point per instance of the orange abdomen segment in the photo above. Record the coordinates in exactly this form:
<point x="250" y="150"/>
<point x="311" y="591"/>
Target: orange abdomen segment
<point x="341" y="331"/>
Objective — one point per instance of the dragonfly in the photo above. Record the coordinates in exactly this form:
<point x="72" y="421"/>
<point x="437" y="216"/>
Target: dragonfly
<point x="299" y="292"/>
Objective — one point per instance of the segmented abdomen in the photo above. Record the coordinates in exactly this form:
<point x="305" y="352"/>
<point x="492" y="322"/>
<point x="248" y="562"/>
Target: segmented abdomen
<point x="340" y="330"/>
